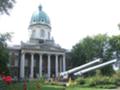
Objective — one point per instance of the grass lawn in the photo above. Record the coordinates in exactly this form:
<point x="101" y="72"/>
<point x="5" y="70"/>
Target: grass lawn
<point x="36" y="86"/>
<point x="78" y="88"/>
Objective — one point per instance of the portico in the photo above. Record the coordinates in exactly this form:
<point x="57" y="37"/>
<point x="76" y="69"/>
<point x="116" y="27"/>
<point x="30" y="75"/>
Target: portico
<point x="41" y="66"/>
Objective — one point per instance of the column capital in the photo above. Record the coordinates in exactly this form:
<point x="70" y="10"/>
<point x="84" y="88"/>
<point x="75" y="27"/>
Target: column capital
<point x="57" y="54"/>
<point x="40" y="53"/>
<point x="49" y="54"/>
<point x="32" y="53"/>
<point x="23" y="52"/>
<point x="63" y="54"/>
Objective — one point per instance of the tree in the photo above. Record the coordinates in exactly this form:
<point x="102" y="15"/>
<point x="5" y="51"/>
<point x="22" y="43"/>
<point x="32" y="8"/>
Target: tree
<point x="4" y="55"/>
<point x="91" y="48"/>
<point x="115" y="44"/>
<point x="82" y="52"/>
<point x="6" y="5"/>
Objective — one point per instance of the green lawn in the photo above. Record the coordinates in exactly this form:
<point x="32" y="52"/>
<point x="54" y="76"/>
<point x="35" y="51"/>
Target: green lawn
<point x="78" y="88"/>
<point x="36" y="86"/>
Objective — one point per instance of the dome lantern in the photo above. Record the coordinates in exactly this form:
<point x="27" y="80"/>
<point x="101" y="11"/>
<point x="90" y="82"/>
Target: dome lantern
<point x="40" y="8"/>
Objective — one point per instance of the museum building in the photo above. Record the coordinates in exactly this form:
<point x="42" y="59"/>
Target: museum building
<point x="40" y="55"/>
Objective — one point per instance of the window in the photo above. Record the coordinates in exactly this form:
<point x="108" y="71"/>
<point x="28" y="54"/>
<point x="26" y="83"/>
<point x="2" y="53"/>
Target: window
<point x="34" y="20"/>
<point x="42" y="20"/>
<point x="42" y="33"/>
<point x="48" y="35"/>
<point x="33" y="33"/>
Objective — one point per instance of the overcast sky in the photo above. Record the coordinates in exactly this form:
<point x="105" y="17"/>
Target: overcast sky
<point x="71" y="20"/>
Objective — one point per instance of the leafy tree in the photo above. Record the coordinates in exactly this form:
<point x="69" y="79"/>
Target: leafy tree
<point x="91" y="48"/>
<point x="4" y="56"/>
<point x="88" y="49"/>
<point x="6" y="5"/>
<point x="79" y="55"/>
<point x="115" y="45"/>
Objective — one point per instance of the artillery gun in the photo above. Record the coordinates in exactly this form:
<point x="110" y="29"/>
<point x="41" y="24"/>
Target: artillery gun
<point x="78" y="71"/>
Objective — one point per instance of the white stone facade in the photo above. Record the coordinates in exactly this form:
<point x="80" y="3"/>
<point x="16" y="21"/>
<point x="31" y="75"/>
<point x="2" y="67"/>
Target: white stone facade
<point x="40" y="56"/>
<point x="40" y="32"/>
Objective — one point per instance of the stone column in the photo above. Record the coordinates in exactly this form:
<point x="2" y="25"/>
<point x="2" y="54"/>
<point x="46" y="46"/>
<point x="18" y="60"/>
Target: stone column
<point x="49" y="66"/>
<point x="22" y="66"/>
<point x="32" y="66"/>
<point x="61" y="65"/>
<point x="40" y="65"/>
<point x="64" y="63"/>
<point x="56" y="65"/>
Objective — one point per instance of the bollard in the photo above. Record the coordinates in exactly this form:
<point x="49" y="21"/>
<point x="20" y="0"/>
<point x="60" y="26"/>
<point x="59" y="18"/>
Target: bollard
<point x="25" y="85"/>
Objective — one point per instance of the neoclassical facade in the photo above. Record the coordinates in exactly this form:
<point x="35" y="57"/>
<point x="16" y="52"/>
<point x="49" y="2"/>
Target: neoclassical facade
<point x="40" y="56"/>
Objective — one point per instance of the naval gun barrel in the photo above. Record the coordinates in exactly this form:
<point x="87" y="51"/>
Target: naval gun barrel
<point x="79" y="67"/>
<point x="95" y="67"/>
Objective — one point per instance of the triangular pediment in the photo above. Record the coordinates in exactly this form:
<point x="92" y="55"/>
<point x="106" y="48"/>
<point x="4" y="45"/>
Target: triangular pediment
<point x="43" y="47"/>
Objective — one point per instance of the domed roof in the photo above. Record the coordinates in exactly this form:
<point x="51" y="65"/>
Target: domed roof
<point x="40" y="17"/>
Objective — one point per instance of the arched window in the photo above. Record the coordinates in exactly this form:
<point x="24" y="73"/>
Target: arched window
<point x="48" y="35"/>
<point x="33" y="33"/>
<point x="42" y="33"/>
<point x="42" y="19"/>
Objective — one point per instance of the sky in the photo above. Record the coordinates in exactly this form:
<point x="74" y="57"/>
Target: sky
<point x="71" y="20"/>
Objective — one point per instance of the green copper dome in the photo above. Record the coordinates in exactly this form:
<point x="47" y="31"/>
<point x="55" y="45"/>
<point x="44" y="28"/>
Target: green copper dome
<point x="40" y="17"/>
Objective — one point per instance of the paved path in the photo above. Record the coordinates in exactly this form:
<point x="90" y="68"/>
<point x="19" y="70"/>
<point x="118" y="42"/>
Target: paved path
<point x="116" y="88"/>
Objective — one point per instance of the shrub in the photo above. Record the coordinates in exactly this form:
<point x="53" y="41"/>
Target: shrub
<point x="97" y="81"/>
<point x="116" y="78"/>
<point x="42" y="80"/>
<point x="108" y="86"/>
<point x="100" y="81"/>
<point x="80" y="81"/>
